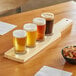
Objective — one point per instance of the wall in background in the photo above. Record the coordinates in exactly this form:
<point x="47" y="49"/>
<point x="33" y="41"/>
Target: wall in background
<point x="34" y="4"/>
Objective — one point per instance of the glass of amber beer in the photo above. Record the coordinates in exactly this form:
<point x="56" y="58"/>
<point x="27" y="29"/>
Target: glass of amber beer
<point x="49" y="17"/>
<point x="31" y="30"/>
<point x="19" y="41"/>
<point x="41" y="26"/>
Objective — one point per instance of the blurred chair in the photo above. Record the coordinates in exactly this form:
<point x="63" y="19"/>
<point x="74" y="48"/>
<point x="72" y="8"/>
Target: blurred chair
<point x="10" y="6"/>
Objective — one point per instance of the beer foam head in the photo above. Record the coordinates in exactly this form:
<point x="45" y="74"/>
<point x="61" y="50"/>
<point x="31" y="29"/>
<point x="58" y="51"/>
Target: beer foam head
<point x="30" y="27"/>
<point x="39" y="21"/>
<point x="48" y="15"/>
<point x="19" y="33"/>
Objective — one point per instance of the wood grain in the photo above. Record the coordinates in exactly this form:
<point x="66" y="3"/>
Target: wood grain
<point x="49" y="56"/>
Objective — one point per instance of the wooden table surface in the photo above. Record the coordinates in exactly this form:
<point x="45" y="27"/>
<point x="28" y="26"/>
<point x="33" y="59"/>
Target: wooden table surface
<point x="50" y="56"/>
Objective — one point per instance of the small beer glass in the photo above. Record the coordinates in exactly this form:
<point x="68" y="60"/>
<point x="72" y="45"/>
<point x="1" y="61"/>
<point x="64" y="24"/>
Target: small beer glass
<point x="31" y="30"/>
<point x="41" y="26"/>
<point x="19" y="41"/>
<point x="49" y="17"/>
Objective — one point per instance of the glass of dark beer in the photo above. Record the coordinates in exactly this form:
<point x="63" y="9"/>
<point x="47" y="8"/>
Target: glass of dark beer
<point x="49" y="22"/>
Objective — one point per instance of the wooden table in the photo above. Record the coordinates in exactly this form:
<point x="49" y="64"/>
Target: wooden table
<point x="50" y="56"/>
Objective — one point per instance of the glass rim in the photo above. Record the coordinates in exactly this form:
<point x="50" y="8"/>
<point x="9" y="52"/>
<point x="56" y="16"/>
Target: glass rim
<point x="30" y="27"/>
<point x="48" y="15"/>
<point x="19" y="33"/>
<point x="39" y="21"/>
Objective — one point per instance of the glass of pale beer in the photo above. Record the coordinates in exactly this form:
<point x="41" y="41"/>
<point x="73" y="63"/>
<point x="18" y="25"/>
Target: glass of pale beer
<point x="41" y="26"/>
<point x="19" y="41"/>
<point x="31" y="30"/>
<point x="49" y="17"/>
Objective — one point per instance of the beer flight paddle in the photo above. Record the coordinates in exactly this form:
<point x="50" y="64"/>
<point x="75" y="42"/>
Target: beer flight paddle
<point x="58" y="28"/>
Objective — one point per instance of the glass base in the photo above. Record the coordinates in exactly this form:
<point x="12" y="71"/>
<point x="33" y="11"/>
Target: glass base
<point x="31" y="46"/>
<point x="21" y="52"/>
<point x="40" y="40"/>
<point x="49" y="34"/>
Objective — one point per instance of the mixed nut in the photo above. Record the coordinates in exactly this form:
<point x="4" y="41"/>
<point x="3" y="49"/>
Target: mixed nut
<point x="70" y="52"/>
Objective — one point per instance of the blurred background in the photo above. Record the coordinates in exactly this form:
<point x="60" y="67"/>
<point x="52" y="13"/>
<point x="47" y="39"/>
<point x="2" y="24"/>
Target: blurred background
<point x="9" y="7"/>
<point x="33" y="4"/>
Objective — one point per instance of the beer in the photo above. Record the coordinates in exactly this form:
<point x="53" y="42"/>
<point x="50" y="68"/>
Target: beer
<point x="41" y="25"/>
<point x="49" y="22"/>
<point x="31" y="34"/>
<point x="19" y="41"/>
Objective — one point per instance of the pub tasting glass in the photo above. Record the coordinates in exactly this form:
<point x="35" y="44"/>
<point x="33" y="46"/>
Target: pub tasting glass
<point x="19" y="41"/>
<point x="41" y="26"/>
<point x="31" y="30"/>
<point x="49" y="17"/>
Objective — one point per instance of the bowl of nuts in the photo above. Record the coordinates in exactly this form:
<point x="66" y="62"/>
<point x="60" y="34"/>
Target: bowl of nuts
<point x="69" y="54"/>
